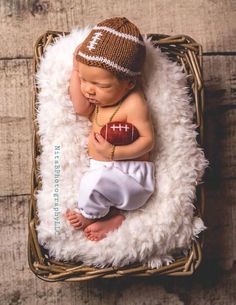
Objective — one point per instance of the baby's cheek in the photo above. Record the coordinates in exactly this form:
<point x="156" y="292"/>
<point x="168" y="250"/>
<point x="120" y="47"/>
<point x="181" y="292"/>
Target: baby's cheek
<point x="81" y="86"/>
<point x="82" y="90"/>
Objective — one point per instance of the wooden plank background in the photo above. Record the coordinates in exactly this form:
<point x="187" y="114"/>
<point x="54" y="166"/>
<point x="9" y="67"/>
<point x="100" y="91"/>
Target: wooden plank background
<point x="211" y="23"/>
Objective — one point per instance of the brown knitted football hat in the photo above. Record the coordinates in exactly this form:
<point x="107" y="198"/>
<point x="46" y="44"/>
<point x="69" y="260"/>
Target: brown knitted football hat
<point x="116" y="45"/>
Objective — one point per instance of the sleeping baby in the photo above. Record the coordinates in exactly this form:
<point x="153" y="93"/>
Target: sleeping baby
<point x="105" y="87"/>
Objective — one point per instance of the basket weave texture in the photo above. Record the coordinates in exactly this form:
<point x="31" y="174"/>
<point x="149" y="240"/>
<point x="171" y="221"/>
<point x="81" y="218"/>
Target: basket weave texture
<point x="188" y="54"/>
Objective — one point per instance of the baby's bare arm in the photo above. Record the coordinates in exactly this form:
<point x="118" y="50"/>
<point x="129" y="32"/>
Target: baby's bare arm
<point x="139" y="116"/>
<point x="80" y="103"/>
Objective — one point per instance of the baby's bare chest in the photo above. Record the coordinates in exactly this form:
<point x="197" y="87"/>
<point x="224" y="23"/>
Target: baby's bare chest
<point x="104" y="116"/>
<point x="100" y="119"/>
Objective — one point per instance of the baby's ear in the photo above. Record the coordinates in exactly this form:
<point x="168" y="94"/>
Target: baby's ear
<point x="132" y="84"/>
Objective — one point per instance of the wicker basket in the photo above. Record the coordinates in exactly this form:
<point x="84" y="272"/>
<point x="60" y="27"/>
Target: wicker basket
<point x="187" y="53"/>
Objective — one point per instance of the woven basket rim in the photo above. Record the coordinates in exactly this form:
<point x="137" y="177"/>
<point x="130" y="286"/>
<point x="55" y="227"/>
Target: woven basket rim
<point x="186" y="51"/>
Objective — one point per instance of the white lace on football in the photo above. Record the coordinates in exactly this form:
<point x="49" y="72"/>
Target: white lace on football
<point x="109" y="63"/>
<point x="123" y="35"/>
<point x="93" y="42"/>
<point x="120" y="127"/>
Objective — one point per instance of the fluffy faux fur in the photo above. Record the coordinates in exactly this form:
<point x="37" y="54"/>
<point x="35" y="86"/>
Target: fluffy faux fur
<point x="166" y="223"/>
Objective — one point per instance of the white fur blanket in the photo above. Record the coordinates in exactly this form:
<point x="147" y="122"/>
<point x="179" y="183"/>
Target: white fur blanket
<point x="166" y="223"/>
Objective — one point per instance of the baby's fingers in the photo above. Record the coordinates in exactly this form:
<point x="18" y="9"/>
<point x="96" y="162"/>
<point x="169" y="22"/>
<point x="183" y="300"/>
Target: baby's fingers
<point x="99" y="138"/>
<point x="72" y="217"/>
<point x="74" y="221"/>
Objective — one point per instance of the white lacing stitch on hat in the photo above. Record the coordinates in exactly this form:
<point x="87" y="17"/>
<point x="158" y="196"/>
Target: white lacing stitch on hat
<point x="110" y="63"/>
<point x="123" y="35"/>
<point x="94" y="40"/>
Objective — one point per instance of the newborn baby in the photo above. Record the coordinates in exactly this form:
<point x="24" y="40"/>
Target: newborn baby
<point x="105" y="86"/>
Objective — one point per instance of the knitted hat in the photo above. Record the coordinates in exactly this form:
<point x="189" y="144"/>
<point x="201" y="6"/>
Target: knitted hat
<point x="116" y="45"/>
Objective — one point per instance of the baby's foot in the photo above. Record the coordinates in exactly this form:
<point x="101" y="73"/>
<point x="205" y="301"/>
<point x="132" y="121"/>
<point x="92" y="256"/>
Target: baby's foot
<point x="99" y="229"/>
<point x="77" y="220"/>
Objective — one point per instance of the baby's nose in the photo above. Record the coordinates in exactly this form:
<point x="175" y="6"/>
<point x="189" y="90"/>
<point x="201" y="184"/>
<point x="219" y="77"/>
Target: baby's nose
<point x="90" y="90"/>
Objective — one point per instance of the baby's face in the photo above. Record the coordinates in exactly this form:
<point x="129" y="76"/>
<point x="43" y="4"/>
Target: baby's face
<point x="100" y="86"/>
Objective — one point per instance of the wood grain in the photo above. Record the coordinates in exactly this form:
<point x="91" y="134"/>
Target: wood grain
<point x="221" y="144"/>
<point x="211" y="23"/>
<point x="16" y="126"/>
<point x="220" y="218"/>
<point x="219" y="82"/>
<point x="18" y="285"/>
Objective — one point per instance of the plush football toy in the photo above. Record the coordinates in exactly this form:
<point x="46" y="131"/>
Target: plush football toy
<point x="119" y="133"/>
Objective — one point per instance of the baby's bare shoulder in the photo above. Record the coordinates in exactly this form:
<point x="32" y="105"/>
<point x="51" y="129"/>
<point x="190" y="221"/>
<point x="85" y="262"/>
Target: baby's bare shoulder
<point x="136" y="107"/>
<point x="136" y="100"/>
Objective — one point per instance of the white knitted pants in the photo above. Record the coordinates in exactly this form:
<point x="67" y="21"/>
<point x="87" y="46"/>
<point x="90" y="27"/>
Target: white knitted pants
<point x="126" y="185"/>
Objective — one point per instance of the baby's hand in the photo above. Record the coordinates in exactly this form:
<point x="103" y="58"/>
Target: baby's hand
<point x="103" y="147"/>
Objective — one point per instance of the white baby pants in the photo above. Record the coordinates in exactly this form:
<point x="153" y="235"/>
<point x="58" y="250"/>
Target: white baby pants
<point x="126" y="185"/>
